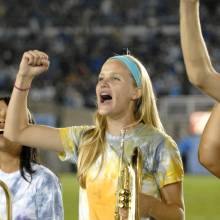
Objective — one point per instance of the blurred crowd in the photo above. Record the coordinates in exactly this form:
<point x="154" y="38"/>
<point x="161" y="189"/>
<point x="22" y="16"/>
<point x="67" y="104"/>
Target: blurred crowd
<point x="79" y="35"/>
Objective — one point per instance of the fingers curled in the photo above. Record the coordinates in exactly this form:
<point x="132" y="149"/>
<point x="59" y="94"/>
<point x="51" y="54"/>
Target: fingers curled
<point x="36" y="58"/>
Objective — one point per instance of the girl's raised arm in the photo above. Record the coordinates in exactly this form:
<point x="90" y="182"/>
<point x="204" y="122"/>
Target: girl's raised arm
<point x="197" y="61"/>
<point x="17" y="128"/>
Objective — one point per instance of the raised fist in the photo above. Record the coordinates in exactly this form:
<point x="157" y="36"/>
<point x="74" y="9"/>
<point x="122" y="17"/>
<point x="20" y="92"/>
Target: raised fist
<point x="33" y="63"/>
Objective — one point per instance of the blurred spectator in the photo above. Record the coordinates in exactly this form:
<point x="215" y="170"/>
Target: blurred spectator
<point x="80" y="34"/>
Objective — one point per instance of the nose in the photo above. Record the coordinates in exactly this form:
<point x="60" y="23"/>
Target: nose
<point x="2" y="115"/>
<point x="104" y="83"/>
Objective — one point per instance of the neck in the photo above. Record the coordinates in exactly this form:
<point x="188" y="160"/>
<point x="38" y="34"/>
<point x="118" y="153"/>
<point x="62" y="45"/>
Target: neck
<point x="9" y="163"/>
<point x="115" y="126"/>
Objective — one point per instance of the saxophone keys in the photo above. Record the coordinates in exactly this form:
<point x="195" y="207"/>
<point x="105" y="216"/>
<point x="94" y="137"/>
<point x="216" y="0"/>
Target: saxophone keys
<point x="124" y="198"/>
<point x="123" y="205"/>
<point x="124" y="192"/>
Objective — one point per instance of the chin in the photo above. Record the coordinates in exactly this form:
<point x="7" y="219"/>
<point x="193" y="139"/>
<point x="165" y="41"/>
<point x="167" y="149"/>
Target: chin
<point x="3" y="142"/>
<point x="103" y="112"/>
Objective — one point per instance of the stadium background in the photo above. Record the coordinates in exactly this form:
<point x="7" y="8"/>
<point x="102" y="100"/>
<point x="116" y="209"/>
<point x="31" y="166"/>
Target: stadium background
<point x="79" y="35"/>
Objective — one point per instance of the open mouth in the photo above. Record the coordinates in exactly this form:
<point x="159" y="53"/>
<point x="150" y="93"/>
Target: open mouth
<point x="105" y="97"/>
<point x="1" y="131"/>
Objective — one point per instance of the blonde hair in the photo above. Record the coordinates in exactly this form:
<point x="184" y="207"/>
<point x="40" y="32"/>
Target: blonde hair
<point x="93" y="144"/>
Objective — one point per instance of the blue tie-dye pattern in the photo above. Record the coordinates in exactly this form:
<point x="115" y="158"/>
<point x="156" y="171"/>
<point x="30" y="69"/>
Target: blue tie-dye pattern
<point x="161" y="159"/>
<point x="22" y="218"/>
<point x="48" y="196"/>
<point x="40" y="200"/>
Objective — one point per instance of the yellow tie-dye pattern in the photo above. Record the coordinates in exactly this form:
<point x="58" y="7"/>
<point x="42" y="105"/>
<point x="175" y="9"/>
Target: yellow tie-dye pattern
<point x="101" y="191"/>
<point x="175" y="167"/>
<point x="67" y="142"/>
<point x="97" y="202"/>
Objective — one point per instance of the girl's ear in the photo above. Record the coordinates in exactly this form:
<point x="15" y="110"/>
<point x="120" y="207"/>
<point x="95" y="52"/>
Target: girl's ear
<point x="136" y="94"/>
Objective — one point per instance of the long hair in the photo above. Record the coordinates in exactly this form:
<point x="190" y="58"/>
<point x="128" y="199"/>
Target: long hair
<point x="28" y="155"/>
<point x="93" y="144"/>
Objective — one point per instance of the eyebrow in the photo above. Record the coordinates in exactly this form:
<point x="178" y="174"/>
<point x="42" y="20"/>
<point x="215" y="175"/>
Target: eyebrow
<point x="111" y="73"/>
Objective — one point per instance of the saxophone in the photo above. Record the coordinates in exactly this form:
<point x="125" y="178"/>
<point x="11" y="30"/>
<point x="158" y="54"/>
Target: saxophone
<point x="8" y="199"/>
<point x="129" y="183"/>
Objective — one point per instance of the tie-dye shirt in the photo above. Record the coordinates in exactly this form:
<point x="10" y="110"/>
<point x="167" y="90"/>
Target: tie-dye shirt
<point x="162" y="165"/>
<point x="39" y="200"/>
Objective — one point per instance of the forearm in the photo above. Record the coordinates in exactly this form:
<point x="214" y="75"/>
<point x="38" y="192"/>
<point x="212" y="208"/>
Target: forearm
<point x="195" y="53"/>
<point x="17" y="116"/>
<point x="209" y="148"/>
<point x="198" y="64"/>
<point x="160" y="210"/>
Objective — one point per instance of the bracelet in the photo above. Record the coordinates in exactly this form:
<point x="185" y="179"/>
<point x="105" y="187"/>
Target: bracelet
<point x="21" y="89"/>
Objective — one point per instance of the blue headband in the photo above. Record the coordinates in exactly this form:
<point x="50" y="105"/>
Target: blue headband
<point x="132" y="66"/>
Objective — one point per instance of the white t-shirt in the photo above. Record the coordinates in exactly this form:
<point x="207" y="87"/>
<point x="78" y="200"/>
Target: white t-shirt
<point x="39" y="200"/>
<point x="162" y="165"/>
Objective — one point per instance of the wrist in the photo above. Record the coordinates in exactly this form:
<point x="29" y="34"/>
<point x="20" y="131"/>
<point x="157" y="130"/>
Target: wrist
<point x="23" y="82"/>
<point x="190" y="2"/>
<point x="24" y="76"/>
<point x="22" y="89"/>
<point x="21" y="77"/>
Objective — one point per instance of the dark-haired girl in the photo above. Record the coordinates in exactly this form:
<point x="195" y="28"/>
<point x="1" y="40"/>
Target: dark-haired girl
<point x="35" y="190"/>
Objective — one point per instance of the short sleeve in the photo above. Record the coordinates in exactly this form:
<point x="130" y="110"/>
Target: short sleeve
<point x="70" y="138"/>
<point x="49" y="204"/>
<point x="170" y="167"/>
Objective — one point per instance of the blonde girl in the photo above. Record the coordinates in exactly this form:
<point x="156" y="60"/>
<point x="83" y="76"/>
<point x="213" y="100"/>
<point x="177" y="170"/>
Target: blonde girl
<point x="125" y="101"/>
